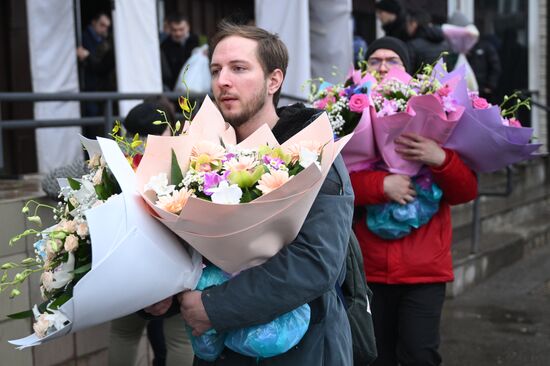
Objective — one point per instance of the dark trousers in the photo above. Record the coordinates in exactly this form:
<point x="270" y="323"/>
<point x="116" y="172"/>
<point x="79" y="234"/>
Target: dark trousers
<point x="406" y="323"/>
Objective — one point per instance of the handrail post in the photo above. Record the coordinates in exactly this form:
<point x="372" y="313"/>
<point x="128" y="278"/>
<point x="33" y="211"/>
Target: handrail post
<point x="474" y="247"/>
<point x="108" y="117"/>
<point x="1" y="147"/>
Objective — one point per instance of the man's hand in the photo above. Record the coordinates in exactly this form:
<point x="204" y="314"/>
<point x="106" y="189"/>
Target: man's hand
<point x="160" y="308"/>
<point x="193" y="312"/>
<point x="399" y="188"/>
<point x="82" y="53"/>
<point x="417" y="148"/>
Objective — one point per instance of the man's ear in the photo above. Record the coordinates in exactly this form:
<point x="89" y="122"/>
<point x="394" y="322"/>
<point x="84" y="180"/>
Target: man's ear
<point x="274" y="81"/>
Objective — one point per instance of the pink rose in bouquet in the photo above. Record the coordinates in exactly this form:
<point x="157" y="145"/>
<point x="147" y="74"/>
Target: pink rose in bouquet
<point x="480" y="103"/>
<point x="358" y="102"/>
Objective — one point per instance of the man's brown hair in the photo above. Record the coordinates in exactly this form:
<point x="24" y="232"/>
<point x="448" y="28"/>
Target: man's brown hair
<point x="272" y="52"/>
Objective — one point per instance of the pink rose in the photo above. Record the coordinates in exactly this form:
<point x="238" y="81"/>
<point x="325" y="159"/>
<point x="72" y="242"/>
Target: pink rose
<point x="321" y="103"/>
<point x="358" y="102"/>
<point x="480" y="103"/>
<point x="512" y="122"/>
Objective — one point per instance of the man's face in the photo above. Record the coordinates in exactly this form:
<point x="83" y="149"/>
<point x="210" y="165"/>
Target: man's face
<point x="385" y="17"/>
<point x="238" y="80"/>
<point x="179" y="31"/>
<point x="101" y="26"/>
<point x="382" y="61"/>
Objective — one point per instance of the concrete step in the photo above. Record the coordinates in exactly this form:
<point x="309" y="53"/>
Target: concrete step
<point x="510" y="225"/>
<point x="498" y="249"/>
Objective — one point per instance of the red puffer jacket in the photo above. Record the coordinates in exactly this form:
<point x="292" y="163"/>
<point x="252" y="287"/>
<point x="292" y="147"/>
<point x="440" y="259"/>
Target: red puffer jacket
<point x="424" y="256"/>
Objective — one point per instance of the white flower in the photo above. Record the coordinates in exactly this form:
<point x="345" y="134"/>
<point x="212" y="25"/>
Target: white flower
<point x="82" y="230"/>
<point x="41" y="326"/>
<point x="159" y="184"/>
<point x="308" y="157"/>
<point x="48" y="322"/>
<point x="60" y="276"/>
<point x="226" y="194"/>
<point x="71" y="243"/>
<point x="94" y="161"/>
<point x="46" y="278"/>
<point x="96" y="180"/>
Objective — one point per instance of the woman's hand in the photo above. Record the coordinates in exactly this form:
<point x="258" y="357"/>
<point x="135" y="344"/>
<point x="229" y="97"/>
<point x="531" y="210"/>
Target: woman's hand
<point x="414" y="147"/>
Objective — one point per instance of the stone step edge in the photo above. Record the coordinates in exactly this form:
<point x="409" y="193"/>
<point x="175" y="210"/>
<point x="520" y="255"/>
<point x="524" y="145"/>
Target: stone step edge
<point x="474" y="268"/>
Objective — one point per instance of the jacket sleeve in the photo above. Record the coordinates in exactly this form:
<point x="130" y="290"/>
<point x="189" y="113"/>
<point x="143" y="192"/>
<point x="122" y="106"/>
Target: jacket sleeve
<point x="458" y="182"/>
<point x="301" y="272"/>
<point x="368" y="187"/>
<point x="493" y="66"/>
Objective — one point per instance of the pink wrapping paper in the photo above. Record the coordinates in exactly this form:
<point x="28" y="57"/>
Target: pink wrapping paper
<point x="426" y="117"/>
<point x="236" y="237"/>
<point x="360" y="152"/>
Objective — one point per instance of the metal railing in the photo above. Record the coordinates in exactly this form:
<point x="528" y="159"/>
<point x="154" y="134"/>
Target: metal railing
<point x="106" y="120"/>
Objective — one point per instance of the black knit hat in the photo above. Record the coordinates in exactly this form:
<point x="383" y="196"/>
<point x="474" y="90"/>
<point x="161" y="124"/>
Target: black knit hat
<point x="391" y="6"/>
<point x="394" y="44"/>
<point x="140" y="119"/>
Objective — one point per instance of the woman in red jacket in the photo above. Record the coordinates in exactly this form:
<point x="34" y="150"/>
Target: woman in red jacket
<point x="408" y="275"/>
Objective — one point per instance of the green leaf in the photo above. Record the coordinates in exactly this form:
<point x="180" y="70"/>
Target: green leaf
<point x="100" y="190"/>
<point x="21" y="315"/>
<point x="63" y="298"/>
<point x="83" y="269"/>
<point x="176" y="174"/>
<point x="157" y="122"/>
<point x="74" y="184"/>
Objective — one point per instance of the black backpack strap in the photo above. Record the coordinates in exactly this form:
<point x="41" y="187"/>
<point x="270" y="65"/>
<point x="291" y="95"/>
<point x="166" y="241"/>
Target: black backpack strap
<point x="358" y="297"/>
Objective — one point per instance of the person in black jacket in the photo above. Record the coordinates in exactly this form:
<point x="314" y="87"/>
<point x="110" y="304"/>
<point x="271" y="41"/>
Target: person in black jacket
<point x="485" y="63"/>
<point x="176" y="49"/>
<point x="248" y="65"/>
<point x="426" y="42"/>
<point x="392" y="14"/>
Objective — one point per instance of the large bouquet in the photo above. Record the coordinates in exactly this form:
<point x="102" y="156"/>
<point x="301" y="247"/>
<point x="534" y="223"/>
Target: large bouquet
<point x="255" y="169"/>
<point x="437" y="105"/>
<point x="92" y="260"/>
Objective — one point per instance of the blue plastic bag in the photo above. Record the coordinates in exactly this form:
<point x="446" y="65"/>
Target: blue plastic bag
<point x="209" y="345"/>
<point x="393" y="220"/>
<point x="273" y="338"/>
<point x="260" y="341"/>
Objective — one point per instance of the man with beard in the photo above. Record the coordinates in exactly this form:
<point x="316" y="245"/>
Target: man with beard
<point x="248" y="65"/>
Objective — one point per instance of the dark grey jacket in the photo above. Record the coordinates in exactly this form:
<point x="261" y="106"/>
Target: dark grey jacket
<point x="426" y="46"/>
<point x="305" y="271"/>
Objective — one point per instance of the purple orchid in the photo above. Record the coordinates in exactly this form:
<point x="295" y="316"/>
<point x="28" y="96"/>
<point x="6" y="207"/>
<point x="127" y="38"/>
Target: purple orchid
<point x="212" y="180"/>
<point x="272" y="162"/>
